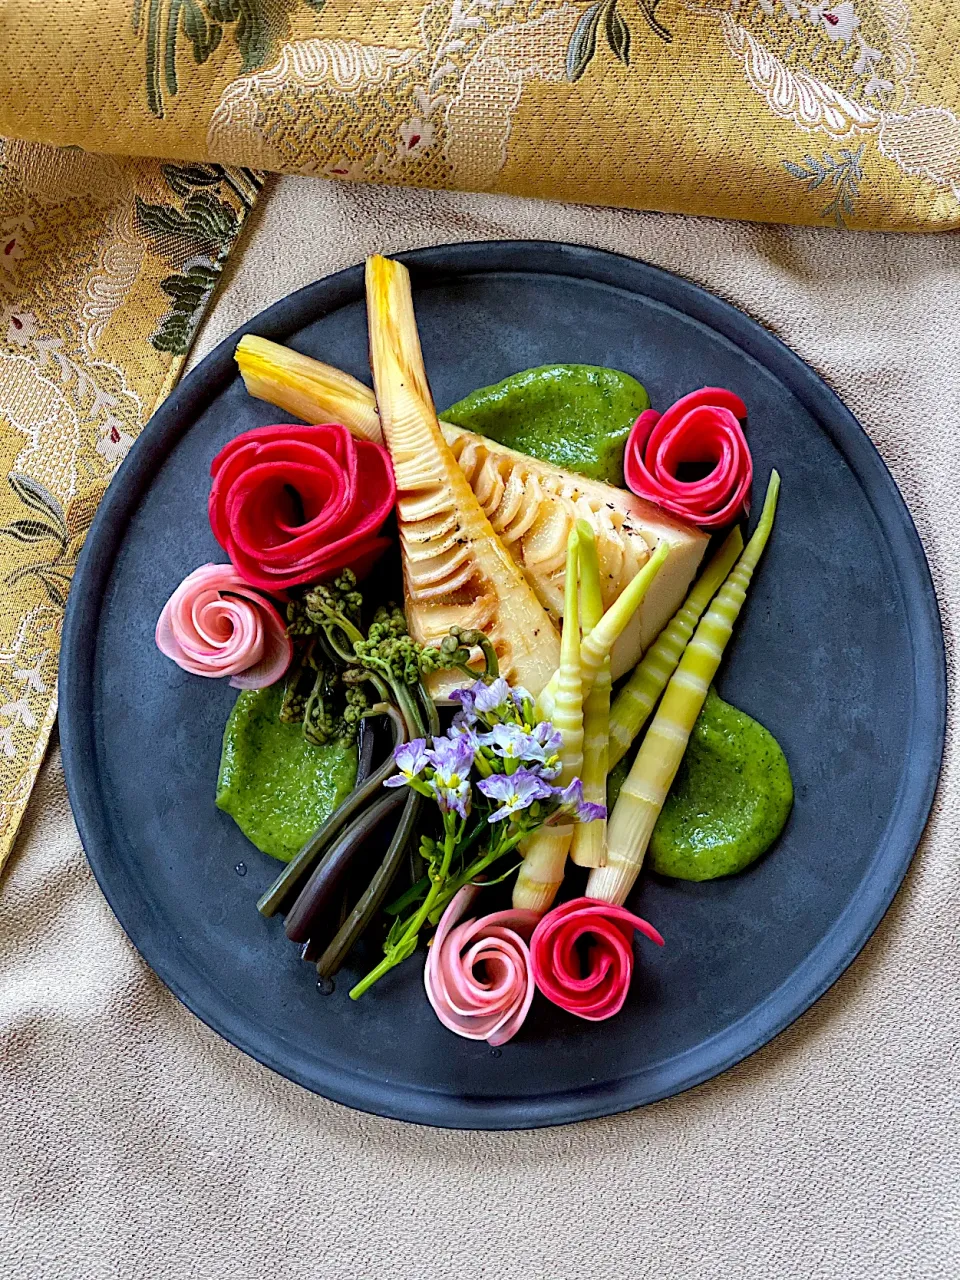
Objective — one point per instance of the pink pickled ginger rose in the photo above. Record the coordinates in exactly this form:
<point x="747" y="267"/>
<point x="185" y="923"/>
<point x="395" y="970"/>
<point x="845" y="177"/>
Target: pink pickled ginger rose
<point x="478" y="975"/>
<point x="215" y="624"/>
<point x="594" y="988"/>
<point x="702" y="429"/>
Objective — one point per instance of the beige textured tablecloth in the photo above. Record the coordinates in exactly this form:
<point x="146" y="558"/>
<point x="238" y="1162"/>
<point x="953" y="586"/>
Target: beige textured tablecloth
<point x="134" y="1143"/>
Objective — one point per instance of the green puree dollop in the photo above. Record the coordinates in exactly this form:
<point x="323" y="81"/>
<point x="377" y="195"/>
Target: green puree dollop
<point x="729" y="801"/>
<point x="577" y="416"/>
<point x="276" y="786"/>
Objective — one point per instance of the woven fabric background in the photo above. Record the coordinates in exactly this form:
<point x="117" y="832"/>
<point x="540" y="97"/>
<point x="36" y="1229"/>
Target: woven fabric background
<point x="135" y="1144"/>
<point x="106" y="265"/>
<point x="837" y="111"/>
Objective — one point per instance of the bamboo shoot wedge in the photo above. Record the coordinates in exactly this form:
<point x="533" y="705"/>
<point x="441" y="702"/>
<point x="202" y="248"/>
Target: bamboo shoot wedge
<point x="455" y="569"/>
<point x="545" y="852"/>
<point x="531" y="505"/>
<point x="651" y="777"/>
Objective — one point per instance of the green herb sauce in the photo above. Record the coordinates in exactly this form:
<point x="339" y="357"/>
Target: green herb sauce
<point x="575" y="416"/>
<point x="276" y="786"/>
<point x="729" y="802"/>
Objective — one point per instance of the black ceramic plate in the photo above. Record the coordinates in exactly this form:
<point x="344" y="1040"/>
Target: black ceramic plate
<point x="838" y="651"/>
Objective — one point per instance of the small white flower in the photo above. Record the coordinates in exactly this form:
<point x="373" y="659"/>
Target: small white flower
<point x="20" y="326"/>
<point x="415" y="134"/>
<point x="876" y="87"/>
<point x="20" y="710"/>
<point x="837" y="21"/>
<point x="31" y="675"/>
<point x="114" y="443"/>
<point x="6" y="741"/>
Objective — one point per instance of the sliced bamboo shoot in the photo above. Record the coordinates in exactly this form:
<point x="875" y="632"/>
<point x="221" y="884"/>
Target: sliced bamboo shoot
<point x="454" y="566"/>
<point x="531" y="505"/>
<point x="545" y="853"/>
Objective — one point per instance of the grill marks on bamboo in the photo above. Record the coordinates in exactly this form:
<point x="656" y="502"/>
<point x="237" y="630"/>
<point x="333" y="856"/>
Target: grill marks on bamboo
<point x="532" y="509"/>
<point x="456" y="571"/>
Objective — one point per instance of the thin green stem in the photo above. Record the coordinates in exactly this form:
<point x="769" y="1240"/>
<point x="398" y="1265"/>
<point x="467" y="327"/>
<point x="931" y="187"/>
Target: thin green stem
<point x="476" y="868"/>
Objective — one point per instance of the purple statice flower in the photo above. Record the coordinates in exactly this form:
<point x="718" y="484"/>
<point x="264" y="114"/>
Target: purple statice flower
<point x="523" y="700"/>
<point x="466" y="698"/>
<point x="452" y="799"/>
<point x="515" y="791"/>
<point x="511" y="742"/>
<point x="550" y="739"/>
<point x="411" y="760"/>
<point x="573" y="805"/>
<point x="493" y="699"/>
<point x="466" y="731"/>
<point x="452" y="759"/>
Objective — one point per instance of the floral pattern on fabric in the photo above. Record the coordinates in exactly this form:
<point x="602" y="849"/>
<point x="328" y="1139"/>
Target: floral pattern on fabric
<point x="92" y="250"/>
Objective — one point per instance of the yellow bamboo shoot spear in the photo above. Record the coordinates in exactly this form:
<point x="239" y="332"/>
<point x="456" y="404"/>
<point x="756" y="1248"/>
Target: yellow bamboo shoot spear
<point x="649" y="780"/>
<point x="545" y="853"/>
<point x="637" y="698"/>
<point x="589" y="847"/>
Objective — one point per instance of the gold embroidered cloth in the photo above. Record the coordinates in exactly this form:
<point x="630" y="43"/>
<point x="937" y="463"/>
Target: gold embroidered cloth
<point x="137" y="131"/>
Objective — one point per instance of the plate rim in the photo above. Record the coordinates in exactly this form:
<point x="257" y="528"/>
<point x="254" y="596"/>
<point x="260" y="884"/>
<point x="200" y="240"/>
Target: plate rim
<point x="821" y="967"/>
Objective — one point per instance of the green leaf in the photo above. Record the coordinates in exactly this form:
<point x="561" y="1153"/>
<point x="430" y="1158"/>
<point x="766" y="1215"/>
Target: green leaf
<point x="225" y="11"/>
<point x="170" y="45"/>
<point x="31" y="531"/>
<point x="210" y="217"/>
<point x="253" y="34"/>
<point x="205" y="220"/>
<point x="174" y="333"/>
<point x="154" y="93"/>
<point x="190" y="288"/>
<point x="56" y="587"/>
<point x="618" y="34"/>
<point x="649" y="10"/>
<point x="403" y="949"/>
<point x="203" y="35"/>
<point x="183" y="178"/>
<point x="583" y="42"/>
<point x="33" y="494"/>
<point x="189" y="291"/>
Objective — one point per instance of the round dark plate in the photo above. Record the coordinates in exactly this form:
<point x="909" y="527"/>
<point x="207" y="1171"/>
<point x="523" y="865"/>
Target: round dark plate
<point x="839" y="652"/>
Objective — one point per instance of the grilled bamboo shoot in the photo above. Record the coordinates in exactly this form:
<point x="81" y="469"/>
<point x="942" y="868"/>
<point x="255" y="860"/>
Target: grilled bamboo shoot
<point x="455" y="567"/>
<point x="531" y="506"/>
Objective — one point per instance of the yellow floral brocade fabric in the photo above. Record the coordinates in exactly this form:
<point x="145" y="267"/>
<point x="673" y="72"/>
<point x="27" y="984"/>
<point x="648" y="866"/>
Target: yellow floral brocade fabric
<point x="811" y="111"/>
<point x="137" y="132"/>
<point x="105" y="266"/>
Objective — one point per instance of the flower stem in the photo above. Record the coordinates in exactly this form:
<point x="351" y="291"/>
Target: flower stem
<point x="476" y="868"/>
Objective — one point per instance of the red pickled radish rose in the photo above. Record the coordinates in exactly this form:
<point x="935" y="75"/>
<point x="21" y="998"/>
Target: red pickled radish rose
<point x="597" y="988"/>
<point x="480" y="1004"/>
<point x="215" y="624"/>
<point x="704" y="429"/>
<point x="292" y="504"/>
